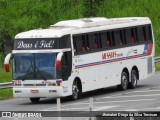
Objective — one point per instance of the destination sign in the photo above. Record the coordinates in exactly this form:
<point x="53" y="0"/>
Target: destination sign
<point x="34" y="44"/>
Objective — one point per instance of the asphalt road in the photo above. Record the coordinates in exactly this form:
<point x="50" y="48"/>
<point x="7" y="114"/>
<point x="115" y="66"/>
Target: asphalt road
<point x="146" y="97"/>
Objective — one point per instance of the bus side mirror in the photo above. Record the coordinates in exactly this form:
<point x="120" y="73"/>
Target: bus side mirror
<point x="6" y="62"/>
<point x="58" y="61"/>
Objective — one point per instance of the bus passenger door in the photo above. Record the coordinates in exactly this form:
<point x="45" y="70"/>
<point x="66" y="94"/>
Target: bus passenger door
<point x="66" y="65"/>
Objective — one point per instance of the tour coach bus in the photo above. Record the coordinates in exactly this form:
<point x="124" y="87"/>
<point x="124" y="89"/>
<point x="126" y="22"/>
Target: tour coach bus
<point x="75" y="56"/>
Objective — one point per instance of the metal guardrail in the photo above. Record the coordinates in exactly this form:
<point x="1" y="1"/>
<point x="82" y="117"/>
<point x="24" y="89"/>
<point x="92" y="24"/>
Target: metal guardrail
<point x="5" y="85"/>
<point x="9" y="84"/>
<point x="156" y="59"/>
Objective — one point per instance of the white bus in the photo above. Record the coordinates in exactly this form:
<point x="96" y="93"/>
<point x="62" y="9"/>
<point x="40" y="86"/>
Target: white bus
<point x="75" y="56"/>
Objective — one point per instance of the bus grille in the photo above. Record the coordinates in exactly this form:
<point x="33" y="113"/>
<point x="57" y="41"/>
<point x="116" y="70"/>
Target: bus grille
<point x="34" y="84"/>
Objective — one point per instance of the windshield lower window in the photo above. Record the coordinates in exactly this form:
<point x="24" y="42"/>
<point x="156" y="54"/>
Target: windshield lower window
<point x="35" y="66"/>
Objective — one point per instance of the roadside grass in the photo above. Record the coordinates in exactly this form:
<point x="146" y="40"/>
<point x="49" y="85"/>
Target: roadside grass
<point x="6" y="93"/>
<point x="5" y="77"/>
<point x="158" y="66"/>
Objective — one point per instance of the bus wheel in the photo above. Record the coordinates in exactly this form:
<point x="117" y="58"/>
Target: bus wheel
<point x="124" y="81"/>
<point x="34" y="100"/>
<point x="75" y="90"/>
<point x="134" y="79"/>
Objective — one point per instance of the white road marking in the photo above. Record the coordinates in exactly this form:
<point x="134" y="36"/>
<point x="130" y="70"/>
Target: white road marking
<point x="130" y="110"/>
<point x="86" y="108"/>
<point x="149" y="90"/>
<point x="142" y="109"/>
<point x="141" y="90"/>
<point x="155" y="75"/>
<point x="119" y="95"/>
<point x="105" y="107"/>
<point x="130" y="96"/>
<point x="124" y="101"/>
<point x="71" y="109"/>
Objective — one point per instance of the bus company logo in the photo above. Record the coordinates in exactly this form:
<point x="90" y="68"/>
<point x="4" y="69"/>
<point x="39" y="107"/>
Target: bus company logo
<point x="132" y="51"/>
<point x="111" y="55"/>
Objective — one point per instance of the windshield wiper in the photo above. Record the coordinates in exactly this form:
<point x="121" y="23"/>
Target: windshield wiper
<point x="41" y="73"/>
<point x="28" y="71"/>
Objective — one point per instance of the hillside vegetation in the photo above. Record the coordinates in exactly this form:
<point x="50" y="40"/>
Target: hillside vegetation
<point x="21" y="15"/>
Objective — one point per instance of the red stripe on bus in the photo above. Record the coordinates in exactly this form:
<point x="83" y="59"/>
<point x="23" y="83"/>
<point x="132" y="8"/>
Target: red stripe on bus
<point x="93" y="64"/>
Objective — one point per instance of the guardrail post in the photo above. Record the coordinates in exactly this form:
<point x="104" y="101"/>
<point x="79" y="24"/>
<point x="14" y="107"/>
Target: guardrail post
<point x="91" y="107"/>
<point x="59" y="108"/>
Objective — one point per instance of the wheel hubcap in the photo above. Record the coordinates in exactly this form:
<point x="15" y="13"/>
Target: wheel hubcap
<point x="124" y="83"/>
<point x="134" y="79"/>
<point x="75" y="91"/>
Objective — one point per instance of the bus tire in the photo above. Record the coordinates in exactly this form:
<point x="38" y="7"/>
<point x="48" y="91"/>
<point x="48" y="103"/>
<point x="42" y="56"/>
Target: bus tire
<point x="76" y="91"/>
<point x="124" y="81"/>
<point x="34" y="100"/>
<point x="134" y="79"/>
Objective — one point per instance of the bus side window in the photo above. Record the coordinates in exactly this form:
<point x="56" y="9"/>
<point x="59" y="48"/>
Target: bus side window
<point x="91" y="40"/>
<point x="77" y="42"/>
<point x="140" y="35"/>
<point x="121" y="37"/>
<point x="96" y="41"/>
<point x="148" y="33"/>
<point x="100" y="40"/>
<point x="108" y="40"/>
<point x="132" y="36"/>
<point x="87" y="43"/>
<point x="65" y="42"/>
<point x="83" y="49"/>
<point x="127" y="36"/>
<point x="117" y="38"/>
<point x="113" y="38"/>
<point x="144" y="34"/>
<point x="103" y="39"/>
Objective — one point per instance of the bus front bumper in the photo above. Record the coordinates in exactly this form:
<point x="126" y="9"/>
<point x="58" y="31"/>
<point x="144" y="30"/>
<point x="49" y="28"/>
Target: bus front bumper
<point x="38" y="92"/>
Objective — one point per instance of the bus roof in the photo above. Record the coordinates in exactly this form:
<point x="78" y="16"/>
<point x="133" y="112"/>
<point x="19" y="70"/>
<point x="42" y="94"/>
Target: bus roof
<point x="82" y="26"/>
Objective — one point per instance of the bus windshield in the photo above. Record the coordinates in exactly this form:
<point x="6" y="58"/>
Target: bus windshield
<point x="35" y="66"/>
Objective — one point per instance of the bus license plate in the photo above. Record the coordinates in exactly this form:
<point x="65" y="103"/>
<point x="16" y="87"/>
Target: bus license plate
<point x="34" y="91"/>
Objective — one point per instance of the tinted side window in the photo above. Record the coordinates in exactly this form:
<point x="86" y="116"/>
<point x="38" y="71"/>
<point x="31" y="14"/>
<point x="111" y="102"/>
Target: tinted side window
<point x="109" y="39"/>
<point x="113" y="38"/>
<point x="97" y="41"/>
<point x="127" y="36"/>
<point x="150" y="33"/>
<point x="103" y="39"/>
<point x="91" y="40"/>
<point x="77" y="42"/>
<point x="140" y="35"/>
<point x="65" y="42"/>
<point x="147" y="32"/>
<point x="117" y="38"/>
<point x="87" y="43"/>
